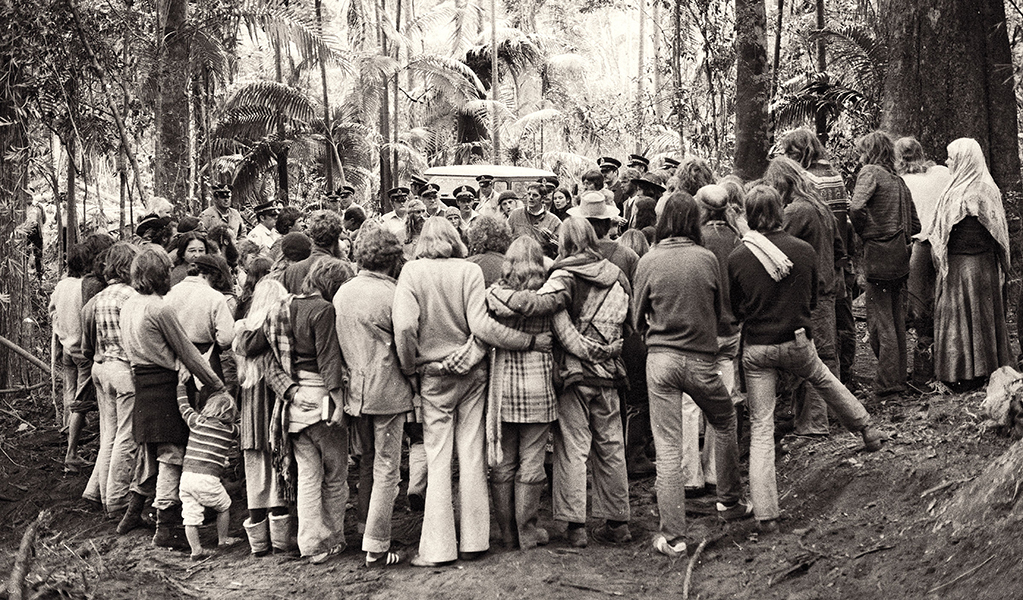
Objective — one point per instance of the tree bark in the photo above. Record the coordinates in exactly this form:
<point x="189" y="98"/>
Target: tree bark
<point x="13" y="199"/>
<point x="170" y="177"/>
<point x="752" y="89"/>
<point x="950" y="76"/>
<point x="328" y="142"/>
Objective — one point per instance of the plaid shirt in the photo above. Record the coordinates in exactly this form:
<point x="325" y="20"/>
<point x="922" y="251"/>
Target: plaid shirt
<point x="102" y="320"/>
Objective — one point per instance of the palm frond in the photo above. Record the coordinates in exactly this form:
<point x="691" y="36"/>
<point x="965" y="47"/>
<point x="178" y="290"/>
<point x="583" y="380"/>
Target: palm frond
<point x="448" y="75"/>
<point x="292" y="103"/>
<point x="860" y="50"/>
<point x="260" y="158"/>
<point x="807" y="96"/>
<point x="208" y="52"/>
<point x="481" y="110"/>
<point x="519" y="128"/>
<point x="285" y="26"/>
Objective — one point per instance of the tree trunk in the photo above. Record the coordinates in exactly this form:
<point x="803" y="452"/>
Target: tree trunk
<point x="170" y="177"/>
<point x="386" y="181"/>
<point x="328" y="150"/>
<point x="495" y="125"/>
<point x="13" y="199"/>
<point x="752" y="88"/>
<point x="950" y="76"/>
<point x="71" y="228"/>
<point x="676" y="69"/>
<point x="820" y="119"/>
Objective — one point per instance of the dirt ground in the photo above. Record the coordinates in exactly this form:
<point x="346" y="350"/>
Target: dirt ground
<point x="855" y="526"/>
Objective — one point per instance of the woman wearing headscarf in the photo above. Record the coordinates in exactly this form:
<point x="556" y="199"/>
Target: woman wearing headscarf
<point x="883" y="215"/>
<point x="970" y="245"/>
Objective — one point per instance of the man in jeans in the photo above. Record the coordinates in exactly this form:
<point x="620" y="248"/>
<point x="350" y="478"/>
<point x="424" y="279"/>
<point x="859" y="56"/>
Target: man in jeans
<point x="678" y="304"/>
<point x="773" y="286"/>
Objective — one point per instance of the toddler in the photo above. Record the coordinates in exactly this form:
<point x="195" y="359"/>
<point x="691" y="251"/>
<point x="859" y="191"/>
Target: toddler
<point x="209" y="440"/>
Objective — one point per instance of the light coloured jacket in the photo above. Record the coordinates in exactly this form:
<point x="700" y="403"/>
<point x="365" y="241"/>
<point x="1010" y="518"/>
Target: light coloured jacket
<point x="438" y="303"/>
<point x="362" y="309"/>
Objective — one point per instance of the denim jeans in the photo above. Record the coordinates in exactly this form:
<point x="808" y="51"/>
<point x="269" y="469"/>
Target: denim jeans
<point x="453" y="418"/>
<point x="115" y="463"/>
<point x="589" y="418"/>
<point x="321" y="455"/>
<point x="886" y="322"/>
<point x="811" y="412"/>
<point x="670" y="374"/>
<point x="762" y="363"/>
<point x="168" y="476"/>
<point x="381" y="438"/>
<point x="699" y="466"/>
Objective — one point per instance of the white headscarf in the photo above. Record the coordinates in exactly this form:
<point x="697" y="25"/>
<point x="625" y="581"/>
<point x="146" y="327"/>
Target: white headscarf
<point x="970" y="193"/>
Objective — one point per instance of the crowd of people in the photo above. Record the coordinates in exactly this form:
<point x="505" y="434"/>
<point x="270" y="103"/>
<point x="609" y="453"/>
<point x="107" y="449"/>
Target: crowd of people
<point x="599" y="328"/>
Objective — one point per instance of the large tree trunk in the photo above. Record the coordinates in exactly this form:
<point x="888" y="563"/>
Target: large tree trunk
<point x="13" y="199"/>
<point x="752" y="88"/>
<point x="170" y="177"/>
<point x="950" y="76"/>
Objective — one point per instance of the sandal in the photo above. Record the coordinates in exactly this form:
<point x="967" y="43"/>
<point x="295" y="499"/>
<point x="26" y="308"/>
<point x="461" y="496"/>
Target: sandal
<point x="662" y="545"/>
<point x="387" y="559"/>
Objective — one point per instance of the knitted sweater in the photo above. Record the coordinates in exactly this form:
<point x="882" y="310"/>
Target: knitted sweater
<point x="772" y="311"/>
<point x="209" y="440"/>
<point x="678" y="298"/>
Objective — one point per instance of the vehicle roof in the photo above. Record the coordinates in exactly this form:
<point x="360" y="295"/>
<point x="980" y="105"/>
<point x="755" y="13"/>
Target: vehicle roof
<point x="498" y="171"/>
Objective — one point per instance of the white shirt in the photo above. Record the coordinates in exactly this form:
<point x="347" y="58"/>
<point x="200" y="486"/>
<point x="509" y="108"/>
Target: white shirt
<point x="395" y="224"/>
<point x="263" y="236"/>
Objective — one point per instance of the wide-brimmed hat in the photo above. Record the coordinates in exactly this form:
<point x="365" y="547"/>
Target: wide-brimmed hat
<point x="150" y="222"/>
<point x="650" y="180"/>
<point x="593" y="205"/>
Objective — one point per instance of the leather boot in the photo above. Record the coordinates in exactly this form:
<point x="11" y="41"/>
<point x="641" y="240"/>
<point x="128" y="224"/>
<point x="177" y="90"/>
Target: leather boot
<point x="504" y="512"/>
<point x="259" y="536"/>
<point x="637" y="435"/>
<point x="133" y="515"/>
<point x="527" y="504"/>
<point x="282" y="538"/>
<point x="170" y="533"/>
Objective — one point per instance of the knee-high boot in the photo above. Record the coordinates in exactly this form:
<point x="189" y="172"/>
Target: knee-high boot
<point x="527" y="505"/>
<point x="504" y="511"/>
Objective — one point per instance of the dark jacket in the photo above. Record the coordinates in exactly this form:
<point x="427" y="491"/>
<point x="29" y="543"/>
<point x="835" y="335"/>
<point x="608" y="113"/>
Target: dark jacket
<point x="721" y="239"/>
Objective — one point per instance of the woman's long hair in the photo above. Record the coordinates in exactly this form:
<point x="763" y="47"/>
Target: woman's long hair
<point x="909" y="157"/>
<point x="577" y="237"/>
<point x="786" y="176"/>
<point x="877" y="149"/>
<point x="265" y="296"/>
<point x="440" y="239"/>
<point x="523" y="265"/>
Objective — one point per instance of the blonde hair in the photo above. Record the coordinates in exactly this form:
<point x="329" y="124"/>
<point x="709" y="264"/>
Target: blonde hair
<point x="439" y="239"/>
<point x="577" y="237"/>
<point x="523" y="265"/>
<point x="267" y="295"/>
<point x="221" y="407"/>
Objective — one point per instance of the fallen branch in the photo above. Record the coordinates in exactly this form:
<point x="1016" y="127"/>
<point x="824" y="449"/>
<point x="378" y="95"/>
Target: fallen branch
<point x="966" y="574"/>
<point x="23" y="560"/>
<point x="25" y="354"/>
<point x="587" y="588"/>
<point x="689" y="570"/>
<point x="879" y="548"/>
<point x="29" y="388"/>
<point x="942" y="486"/>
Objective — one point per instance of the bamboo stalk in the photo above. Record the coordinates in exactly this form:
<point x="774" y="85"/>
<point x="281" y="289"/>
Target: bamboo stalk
<point x="25" y="354"/>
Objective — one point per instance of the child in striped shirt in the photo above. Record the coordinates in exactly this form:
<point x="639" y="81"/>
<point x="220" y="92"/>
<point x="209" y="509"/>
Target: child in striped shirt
<point x="209" y="441"/>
